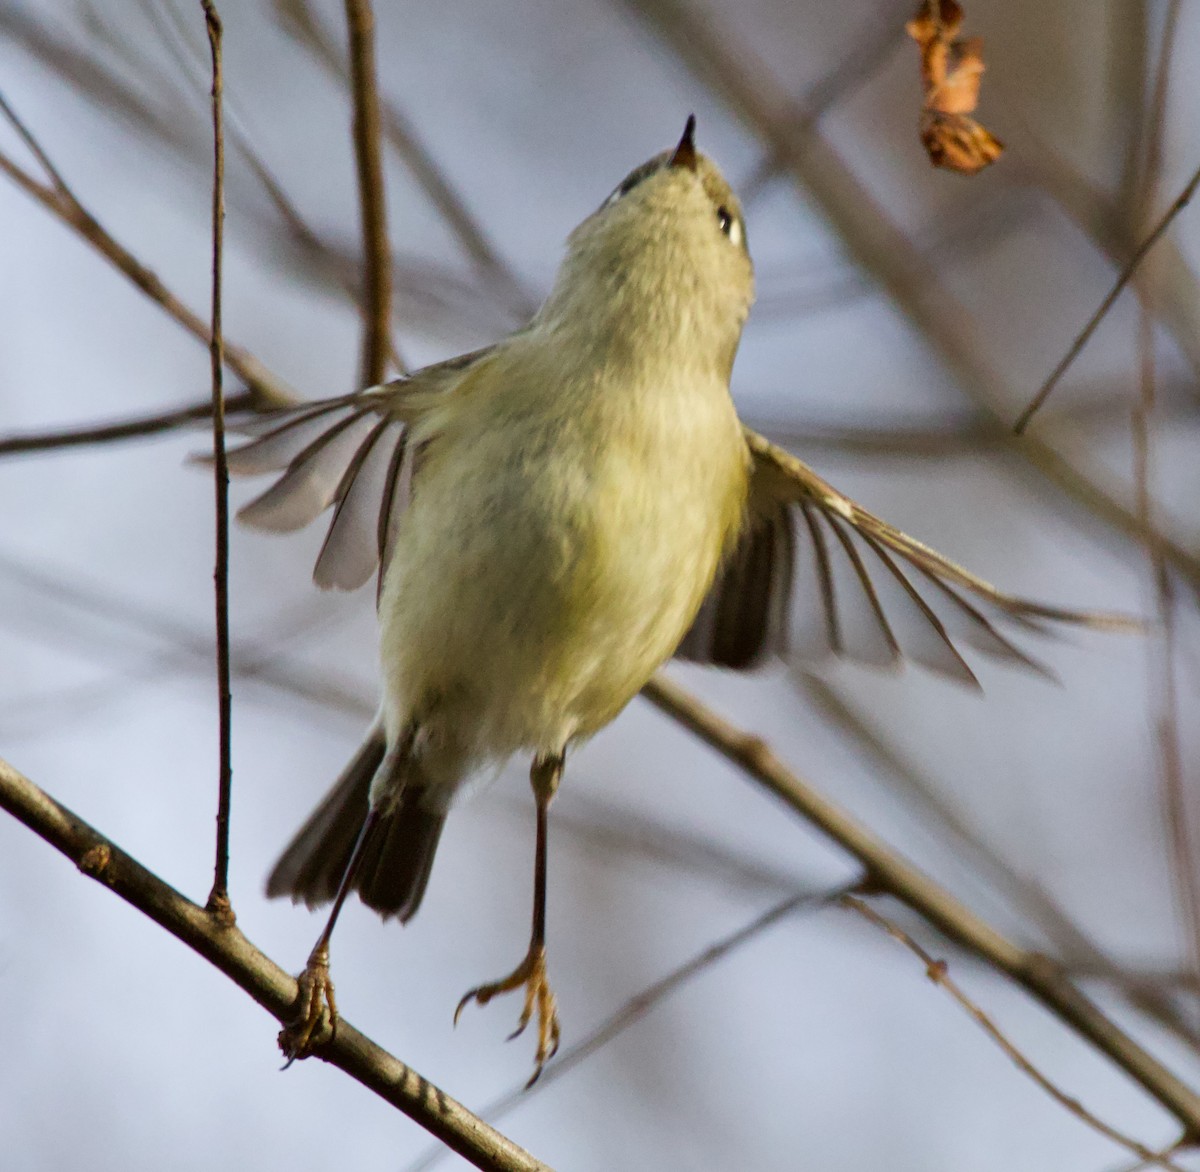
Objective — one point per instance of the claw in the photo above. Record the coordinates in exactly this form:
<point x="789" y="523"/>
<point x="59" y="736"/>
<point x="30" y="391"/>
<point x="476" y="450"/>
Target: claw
<point x="316" y="1019"/>
<point x="530" y="974"/>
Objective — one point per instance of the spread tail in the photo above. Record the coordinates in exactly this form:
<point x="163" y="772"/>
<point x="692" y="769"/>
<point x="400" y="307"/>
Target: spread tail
<point x="398" y="857"/>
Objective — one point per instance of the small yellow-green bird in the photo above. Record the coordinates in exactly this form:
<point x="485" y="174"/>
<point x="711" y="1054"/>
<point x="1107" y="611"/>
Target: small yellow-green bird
<point x="553" y="518"/>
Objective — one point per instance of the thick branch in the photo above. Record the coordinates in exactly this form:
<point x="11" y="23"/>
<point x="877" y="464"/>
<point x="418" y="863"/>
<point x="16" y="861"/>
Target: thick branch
<point x="255" y="973"/>
<point x="890" y="872"/>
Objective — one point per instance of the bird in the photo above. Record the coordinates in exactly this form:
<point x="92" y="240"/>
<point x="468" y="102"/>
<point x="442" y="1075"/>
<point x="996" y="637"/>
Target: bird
<point x="552" y="518"/>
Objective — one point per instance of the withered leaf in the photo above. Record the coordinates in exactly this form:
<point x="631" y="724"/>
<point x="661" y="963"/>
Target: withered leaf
<point x="950" y="74"/>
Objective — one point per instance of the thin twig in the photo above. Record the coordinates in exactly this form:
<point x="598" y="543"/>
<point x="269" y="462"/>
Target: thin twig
<point x="1176" y="296"/>
<point x="939" y="973"/>
<point x="1127" y="273"/>
<point x="58" y="198"/>
<point x="226" y="948"/>
<point x="867" y="56"/>
<point x="889" y="871"/>
<point x="300" y="21"/>
<point x="102" y="433"/>
<point x="428" y="288"/>
<point x="218" y="899"/>
<point x="376" y="259"/>
<point x="173" y="35"/>
<point x="1164" y="697"/>
<point x="712" y="51"/>
<point x="638" y="1007"/>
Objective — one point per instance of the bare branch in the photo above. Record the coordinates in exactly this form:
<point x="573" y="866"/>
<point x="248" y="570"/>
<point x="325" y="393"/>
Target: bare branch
<point x="748" y="87"/>
<point x="58" y="198"/>
<point x="227" y="949"/>
<point x="1127" y="274"/>
<point x="638" y="1006"/>
<point x="102" y="433"/>
<point x="1077" y="950"/>
<point x="376" y="258"/>
<point x="218" y="899"/>
<point x="939" y="973"/>
<point x="891" y="872"/>
<point x="1173" y="793"/>
<point x="301" y="22"/>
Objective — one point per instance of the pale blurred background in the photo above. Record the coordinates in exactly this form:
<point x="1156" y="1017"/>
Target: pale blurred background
<point x="905" y="316"/>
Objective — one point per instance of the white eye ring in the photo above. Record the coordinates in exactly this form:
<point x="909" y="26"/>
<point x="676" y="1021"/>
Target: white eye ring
<point x="729" y="224"/>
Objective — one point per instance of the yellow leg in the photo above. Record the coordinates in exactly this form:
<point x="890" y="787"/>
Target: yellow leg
<point x="530" y="974"/>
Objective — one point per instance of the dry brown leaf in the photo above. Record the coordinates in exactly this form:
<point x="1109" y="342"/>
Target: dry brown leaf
<point x="950" y="74"/>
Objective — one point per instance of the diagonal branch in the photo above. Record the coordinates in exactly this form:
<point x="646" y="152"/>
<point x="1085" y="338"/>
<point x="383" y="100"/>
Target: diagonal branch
<point x="58" y="198"/>
<point x="750" y="90"/>
<point x="102" y="433"/>
<point x="638" y="1006"/>
<point x="1127" y="274"/>
<point x="939" y="973"/>
<point x="889" y="871"/>
<point x="1075" y="948"/>
<point x="227" y="949"/>
<point x="300" y="21"/>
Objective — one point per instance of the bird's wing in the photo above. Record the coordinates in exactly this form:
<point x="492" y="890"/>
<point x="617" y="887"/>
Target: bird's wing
<point x="352" y="452"/>
<point x="815" y="573"/>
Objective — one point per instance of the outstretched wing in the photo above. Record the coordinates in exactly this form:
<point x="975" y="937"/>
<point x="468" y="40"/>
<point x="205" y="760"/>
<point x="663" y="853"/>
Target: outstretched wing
<point x="815" y="573"/>
<point x="352" y="453"/>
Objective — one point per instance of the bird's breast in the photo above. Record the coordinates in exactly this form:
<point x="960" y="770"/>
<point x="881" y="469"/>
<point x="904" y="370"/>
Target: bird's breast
<point x="555" y="553"/>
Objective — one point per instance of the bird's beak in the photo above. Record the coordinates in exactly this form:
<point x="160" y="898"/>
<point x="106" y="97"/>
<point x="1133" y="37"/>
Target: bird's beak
<point x="685" y="152"/>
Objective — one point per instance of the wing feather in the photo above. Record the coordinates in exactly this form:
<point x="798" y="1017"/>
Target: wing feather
<point x="872" y="593"/>
<point x="354" y="452"/>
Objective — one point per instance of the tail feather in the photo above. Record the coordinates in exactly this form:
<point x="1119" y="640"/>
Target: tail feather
<point x="397" y="858"/>
<point x="313" y="864"/>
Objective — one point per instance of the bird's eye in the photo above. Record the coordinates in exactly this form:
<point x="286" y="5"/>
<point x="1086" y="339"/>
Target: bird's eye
<point x="729" y="224"/>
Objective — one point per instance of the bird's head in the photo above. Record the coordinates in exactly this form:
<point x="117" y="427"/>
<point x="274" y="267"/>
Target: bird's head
<point x="665" y="255"/>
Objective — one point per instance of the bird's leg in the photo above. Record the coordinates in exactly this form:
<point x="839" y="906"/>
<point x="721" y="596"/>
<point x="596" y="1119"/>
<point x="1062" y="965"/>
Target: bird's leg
<point x="530" y="974"/>
<point x="316" y="1020"/>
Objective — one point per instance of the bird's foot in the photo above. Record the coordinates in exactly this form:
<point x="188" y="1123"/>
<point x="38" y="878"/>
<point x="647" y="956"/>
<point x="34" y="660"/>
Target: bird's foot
<point x="316" y="1018"/>
<point x="530" y="974"/>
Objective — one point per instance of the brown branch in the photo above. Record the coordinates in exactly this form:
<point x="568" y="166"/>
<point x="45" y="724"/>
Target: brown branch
<point x="638" y="1006"/>
<point x="867" y="56"/>
<point x="58" y="198"/>
<point x="376" y="258"/>
<point x="101" y="433"/>
<point x="1127" y="274"/>
<point x="1173" y="793"/>
<point x="1078" y="952"/>
<point x="889" y="871"/>
<point x="939" y="973"/>
<point x="218" y="899"/>
<point x="225" y="947"/>
<point x="172" y="35"/>
<point x="301" y="22"/>
<point x="764" y="105"/>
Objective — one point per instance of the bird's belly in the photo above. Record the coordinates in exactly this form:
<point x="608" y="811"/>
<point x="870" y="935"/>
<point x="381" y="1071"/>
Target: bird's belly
<point x="524" y="610"/>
